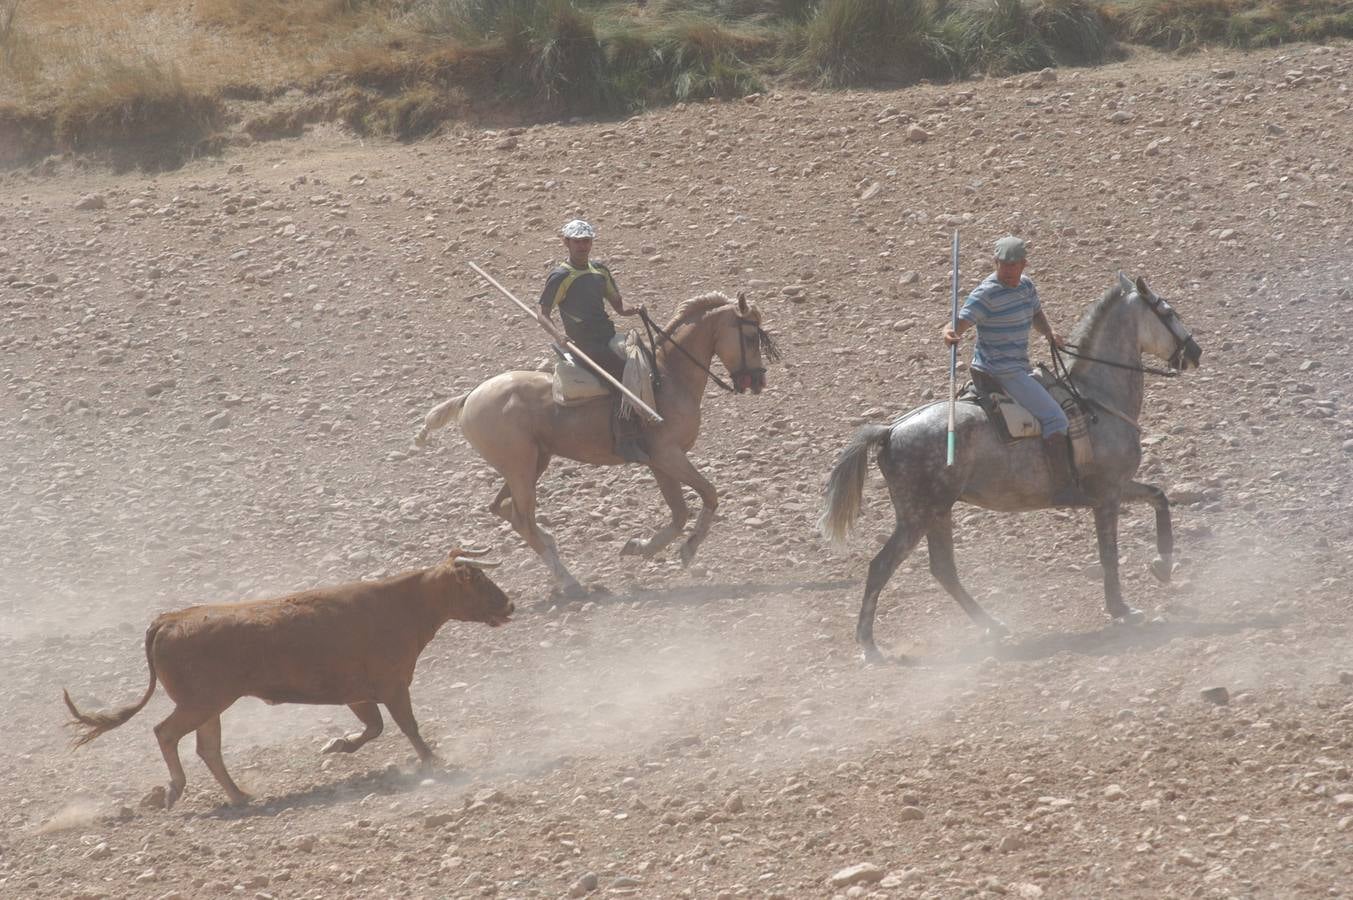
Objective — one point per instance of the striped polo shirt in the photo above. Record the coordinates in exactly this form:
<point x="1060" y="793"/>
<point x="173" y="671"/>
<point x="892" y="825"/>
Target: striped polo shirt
<point x="1002" y="316"/>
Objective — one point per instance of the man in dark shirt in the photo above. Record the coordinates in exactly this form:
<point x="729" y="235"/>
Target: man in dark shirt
<point x="580" y="289"/>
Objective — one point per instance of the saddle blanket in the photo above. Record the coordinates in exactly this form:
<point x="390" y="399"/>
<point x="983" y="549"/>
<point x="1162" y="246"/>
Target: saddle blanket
<point x="1016" y="423"/>
<point x="575" y="384"/>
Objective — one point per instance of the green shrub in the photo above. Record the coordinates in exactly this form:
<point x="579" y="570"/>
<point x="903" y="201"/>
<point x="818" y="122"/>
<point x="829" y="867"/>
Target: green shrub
<point x="1075" y="30"/>
<point x="866" y="41"/>
<point x="1172" y="24"/>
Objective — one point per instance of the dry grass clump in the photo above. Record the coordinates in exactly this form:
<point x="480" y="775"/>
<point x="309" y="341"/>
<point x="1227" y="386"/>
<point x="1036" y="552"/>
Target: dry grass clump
<point x="80" y="68"/>
<point x="140" y="107"/>
<point x="1188" y="24"/>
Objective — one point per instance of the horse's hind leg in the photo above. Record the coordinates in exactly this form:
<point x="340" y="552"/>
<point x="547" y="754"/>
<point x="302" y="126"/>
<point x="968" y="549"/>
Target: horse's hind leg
<point x="676" y="502"/>
<point x="1163" y="564"/>
<point x="1106" y="530"/>
<point x="904" y="539"/>
<point x="940" y="539"/>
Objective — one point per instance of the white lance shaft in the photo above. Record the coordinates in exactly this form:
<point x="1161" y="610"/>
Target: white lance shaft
<point x="953" y="354"/>
<point x="572" y="347"/>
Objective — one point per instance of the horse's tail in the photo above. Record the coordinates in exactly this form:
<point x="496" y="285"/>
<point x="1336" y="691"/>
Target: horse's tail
<point x="440" y="416"/>
<point x="94" y="724"/>
<point x="845" y="487"/>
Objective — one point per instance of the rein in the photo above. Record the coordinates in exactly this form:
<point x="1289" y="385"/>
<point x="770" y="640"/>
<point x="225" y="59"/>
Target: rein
<point x="652" y="327"/>
<point x="1070" y="350"/>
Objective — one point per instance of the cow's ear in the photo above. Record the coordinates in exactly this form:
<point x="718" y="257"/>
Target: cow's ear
<point x="742" y="302"/>
<point x="1124" y="284"/>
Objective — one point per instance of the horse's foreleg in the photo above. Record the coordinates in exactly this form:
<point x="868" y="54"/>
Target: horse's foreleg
<point x="940" y="539"/>
<point x="521" y="487"/>
<point x="674" y="464"/>
<point x="1106" y="530"/>
<point x="1163" y="564"/>
<point x="676" y="502"/>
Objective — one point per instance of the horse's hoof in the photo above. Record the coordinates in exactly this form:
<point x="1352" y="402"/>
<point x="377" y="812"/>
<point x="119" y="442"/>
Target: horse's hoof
<point x="600" y="590"/>
<point x="1161" y="569"/>
<point x="337" y="745"/>
<point x="872" y="656"/>
<point x="633" y="547"/>
<point x="572" y="591"/>
<point x="996" y="630"/>
<point x="1129" y="615"/>
<point x="687" y="554"/>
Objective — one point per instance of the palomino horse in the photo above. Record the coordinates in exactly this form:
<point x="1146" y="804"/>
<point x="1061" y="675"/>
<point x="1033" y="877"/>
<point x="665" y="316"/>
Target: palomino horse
<point x="515" y="425"/>
<point x="1011" y="477"/>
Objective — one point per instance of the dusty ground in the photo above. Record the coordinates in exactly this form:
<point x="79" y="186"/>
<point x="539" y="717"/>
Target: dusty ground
<point x="210" y="385"/>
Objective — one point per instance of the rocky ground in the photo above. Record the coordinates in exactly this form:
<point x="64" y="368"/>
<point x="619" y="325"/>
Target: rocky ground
<point x="209" y="380"/>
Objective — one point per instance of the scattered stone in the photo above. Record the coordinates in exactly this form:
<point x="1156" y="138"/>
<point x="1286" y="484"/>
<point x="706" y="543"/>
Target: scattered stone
<point x="92" y="201"/>
<point x="1010" y="843"/>
<point x="155" y="799"/>
<point x="917" y="135"/>
<point x="1343" y="800"/>
<point x="910" y="814"/>
<point x="1217" y="696"/>
<point x="1346" y="677"/>
<point x="734" y="804"/>
<point x="584" y="885"/>
<point x="863" y="873"/>
<point x="1120" y="117"/>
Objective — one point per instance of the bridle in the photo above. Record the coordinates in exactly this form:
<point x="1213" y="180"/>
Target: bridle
<point x="1186" y="348"/>
<point x="744" y="376"/>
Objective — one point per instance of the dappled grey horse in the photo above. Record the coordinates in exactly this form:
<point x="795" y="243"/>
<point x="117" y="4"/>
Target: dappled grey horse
<point x="1126" y="322"/>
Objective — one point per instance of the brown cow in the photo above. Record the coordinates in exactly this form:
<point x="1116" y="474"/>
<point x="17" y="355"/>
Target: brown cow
<point x="356" y="644"/>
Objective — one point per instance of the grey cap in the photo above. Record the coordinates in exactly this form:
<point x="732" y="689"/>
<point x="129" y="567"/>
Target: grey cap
<point x="1010" y="249"/>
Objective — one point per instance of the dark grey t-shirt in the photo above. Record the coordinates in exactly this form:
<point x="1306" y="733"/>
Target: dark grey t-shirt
<point x="580" y="295"/>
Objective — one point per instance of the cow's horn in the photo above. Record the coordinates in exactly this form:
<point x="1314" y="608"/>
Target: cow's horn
<point x="479" y="563"/>
<point x="471" y="551"/>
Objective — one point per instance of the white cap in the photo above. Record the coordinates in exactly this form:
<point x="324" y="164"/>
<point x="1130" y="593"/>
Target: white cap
<point x="578" y="229"/>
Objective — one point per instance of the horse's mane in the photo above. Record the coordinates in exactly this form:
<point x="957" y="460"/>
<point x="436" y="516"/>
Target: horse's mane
<point x="1084" y="333"/>
<point x="698" y="306"/>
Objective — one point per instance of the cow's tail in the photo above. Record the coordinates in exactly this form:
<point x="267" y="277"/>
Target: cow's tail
<point x="845" y="487"/>
<point x="440" y="416"/>
<point x="91" y="725"/>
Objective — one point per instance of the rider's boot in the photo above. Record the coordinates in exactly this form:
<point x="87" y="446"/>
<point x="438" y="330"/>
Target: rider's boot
<point x="1065" y="490"/>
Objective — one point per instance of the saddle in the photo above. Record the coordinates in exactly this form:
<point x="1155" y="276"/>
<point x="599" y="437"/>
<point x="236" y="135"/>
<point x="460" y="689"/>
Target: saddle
<point x="575" y="384"/>
<point x="1013" y="422"/>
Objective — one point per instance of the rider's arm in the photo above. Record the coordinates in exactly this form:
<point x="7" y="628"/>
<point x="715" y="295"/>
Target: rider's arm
<point x="1044" y="327"/>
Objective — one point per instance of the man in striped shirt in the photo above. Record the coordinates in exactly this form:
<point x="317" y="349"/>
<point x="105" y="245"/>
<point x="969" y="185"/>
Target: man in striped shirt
<point x="1002" y="309"/>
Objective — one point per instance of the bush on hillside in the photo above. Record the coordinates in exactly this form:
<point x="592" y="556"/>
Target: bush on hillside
<point x="870" y="41"/>
<point x="142" y="107"/>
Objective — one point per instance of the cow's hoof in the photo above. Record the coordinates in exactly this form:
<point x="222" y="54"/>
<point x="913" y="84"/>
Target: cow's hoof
<point x="1129" y="615"/>
<point x="1161" y="569"/>
<point x="337" y="745"/>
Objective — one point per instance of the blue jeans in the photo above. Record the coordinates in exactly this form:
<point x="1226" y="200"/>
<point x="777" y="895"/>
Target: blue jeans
<point x="1031" y="395"/>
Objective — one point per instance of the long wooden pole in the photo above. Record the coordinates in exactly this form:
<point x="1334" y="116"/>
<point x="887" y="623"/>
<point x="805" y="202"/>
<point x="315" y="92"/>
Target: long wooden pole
<point x="953" y="354"/>
<point x="572" y="347"/>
